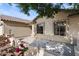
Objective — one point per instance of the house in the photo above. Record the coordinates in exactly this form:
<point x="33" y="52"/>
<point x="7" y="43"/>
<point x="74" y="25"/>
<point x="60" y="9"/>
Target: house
<point x="64" y="27"/>
<point x="14" y="26"/>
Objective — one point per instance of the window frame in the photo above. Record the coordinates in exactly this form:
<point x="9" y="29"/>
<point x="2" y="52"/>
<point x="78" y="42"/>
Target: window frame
<point x="56" y="26"/>
<point x="43" y="27"/>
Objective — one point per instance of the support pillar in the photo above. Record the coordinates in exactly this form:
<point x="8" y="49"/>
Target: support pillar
<point x="33" y="30"/>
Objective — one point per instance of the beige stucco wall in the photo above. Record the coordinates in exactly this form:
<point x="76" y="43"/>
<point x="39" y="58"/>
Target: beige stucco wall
<point x="61" y="15"/>
<point x="18" y="29"/>
<point x="74" y="25"/>
<point x="49" y="27"/>
<point x="48" y="30"/>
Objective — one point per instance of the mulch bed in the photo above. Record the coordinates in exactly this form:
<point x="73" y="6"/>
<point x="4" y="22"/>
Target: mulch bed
<point x="7" y="50"/>
<point x="4" y="41"/>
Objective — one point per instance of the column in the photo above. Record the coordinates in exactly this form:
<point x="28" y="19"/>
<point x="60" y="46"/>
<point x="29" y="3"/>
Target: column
<point x="33" y="30"/>
<point x="1" y="28"/>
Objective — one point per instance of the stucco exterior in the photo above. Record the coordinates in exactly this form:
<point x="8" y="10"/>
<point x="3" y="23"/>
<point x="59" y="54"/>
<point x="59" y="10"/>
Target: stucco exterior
<point x="49" y="27"/>
<point x="74" y="26"/>
<point x="17" y="29"/>
<point x="14" y="26"/>
<point x="61" y="16"/>
<point x="20" y="29"/>
<point x="47" y="24"/>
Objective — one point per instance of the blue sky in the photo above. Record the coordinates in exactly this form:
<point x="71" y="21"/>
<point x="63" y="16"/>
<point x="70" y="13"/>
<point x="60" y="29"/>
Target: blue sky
<point x="6" y="9"/>
<point x="14" y="11"/>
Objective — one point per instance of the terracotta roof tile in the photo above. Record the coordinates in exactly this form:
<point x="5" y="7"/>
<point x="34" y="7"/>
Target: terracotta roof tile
<point x="10" y="18"/>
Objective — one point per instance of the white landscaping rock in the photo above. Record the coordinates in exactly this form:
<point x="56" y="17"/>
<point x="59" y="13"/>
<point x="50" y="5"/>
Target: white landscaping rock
<point x="58" y="49"/>
<point x="11" y="40"/>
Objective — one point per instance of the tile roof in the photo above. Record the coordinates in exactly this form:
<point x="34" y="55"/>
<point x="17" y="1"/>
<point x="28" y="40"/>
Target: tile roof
<point x="10" y="18"/>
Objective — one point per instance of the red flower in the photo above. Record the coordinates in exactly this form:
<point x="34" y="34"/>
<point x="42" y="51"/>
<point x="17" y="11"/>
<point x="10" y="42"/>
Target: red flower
<point x="17" y="50"/>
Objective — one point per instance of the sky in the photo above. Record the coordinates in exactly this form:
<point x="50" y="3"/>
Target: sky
<point x="6" y="9"/>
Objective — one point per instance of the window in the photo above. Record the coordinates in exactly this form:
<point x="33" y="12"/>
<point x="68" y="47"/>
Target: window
<point x="40" y="28"/>
<point x="59" y="28"/>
